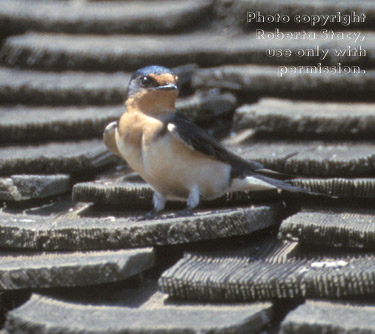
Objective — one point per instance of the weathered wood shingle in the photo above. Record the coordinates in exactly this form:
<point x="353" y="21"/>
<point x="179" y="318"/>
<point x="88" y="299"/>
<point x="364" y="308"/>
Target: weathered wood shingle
<point x="109" y="232"/>
<point x="32" y="270"/>
<point x="335" y="228"/>
<point x="308" y="118"/>
<point x="266" y="80"/>
<point x="228" y="279"/>
<point x="102" y="18"/>
<point x="25" y="187"/>
<point x="317" y="317"/>
<point x="45" y="315"/>
<point x="54" y="157"/>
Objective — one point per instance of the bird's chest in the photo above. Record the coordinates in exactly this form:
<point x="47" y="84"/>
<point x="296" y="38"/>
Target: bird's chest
<point x="174" y="169"/>
<point x="135" y="135"/>
<point x="165" y="166"/>
<point x="159" y="155"/>
<point x="130" y="149"/>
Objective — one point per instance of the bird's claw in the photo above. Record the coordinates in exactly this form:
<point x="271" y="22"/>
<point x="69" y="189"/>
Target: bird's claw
<point x="149" y="215"/>
<point x="184" y="213"/>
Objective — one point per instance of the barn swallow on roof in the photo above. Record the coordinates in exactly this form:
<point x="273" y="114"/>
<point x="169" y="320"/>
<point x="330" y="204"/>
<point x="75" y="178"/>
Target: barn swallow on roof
<point x="177" y="158"/>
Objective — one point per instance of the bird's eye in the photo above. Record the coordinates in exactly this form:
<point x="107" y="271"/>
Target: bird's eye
<point x="147" y="82"/>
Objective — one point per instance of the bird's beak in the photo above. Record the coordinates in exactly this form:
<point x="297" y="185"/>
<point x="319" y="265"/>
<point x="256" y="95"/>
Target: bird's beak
<point x="167" y="87"/>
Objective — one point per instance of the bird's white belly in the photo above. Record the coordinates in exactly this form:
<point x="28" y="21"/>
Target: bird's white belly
<point x="250" y="183"/>
<point x="174" y="169"/>
<point x="131" y="153"/>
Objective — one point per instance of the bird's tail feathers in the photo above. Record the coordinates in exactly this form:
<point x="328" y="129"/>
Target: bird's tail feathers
<point x="287" y="185"/>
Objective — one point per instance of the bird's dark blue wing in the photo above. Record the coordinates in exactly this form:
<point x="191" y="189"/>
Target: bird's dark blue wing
<point x="199" y="140"/>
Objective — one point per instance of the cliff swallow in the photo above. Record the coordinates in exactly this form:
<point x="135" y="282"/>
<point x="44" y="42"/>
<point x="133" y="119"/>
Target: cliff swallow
<point x="178" y="159"/>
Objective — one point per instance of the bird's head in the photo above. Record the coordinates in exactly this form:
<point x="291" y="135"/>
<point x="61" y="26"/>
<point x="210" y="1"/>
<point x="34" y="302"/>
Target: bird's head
<point x="152" y="90"/>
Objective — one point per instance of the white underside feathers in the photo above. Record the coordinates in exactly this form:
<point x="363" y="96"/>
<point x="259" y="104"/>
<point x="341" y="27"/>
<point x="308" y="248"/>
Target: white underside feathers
<point x="250" y="183"/>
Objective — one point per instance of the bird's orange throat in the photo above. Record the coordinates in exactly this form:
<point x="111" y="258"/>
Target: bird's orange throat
<point x="153" y="102"/>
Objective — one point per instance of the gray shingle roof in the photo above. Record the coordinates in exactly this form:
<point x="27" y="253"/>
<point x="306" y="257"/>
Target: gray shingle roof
<point x="75" y="256"/>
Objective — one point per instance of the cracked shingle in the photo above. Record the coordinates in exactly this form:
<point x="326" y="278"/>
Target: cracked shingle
<point x="24" y="187"/>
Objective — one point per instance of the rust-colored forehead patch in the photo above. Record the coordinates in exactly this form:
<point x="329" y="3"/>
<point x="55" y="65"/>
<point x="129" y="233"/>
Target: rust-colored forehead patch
<point x="164" y="78"/>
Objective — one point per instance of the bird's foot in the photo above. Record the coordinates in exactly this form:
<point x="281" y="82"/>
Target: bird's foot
<point x="184" y="213"/>
<point x="153" y="214"/>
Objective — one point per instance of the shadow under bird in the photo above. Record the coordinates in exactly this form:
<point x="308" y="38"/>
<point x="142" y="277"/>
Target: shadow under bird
<point x="177" y="158"/>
